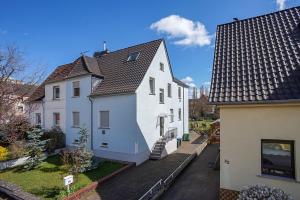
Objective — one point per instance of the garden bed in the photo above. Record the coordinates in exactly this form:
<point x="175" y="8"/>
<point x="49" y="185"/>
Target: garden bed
<point x="46" y="181"/>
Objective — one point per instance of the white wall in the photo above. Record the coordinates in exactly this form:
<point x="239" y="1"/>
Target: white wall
<point x="53" y="105"/>
<point x="32" y="109"/>
<point x="148" y="107"/>
<point x="79" y="104"/>
<point x="121" y="135"/>
<point x="242" y="128"/>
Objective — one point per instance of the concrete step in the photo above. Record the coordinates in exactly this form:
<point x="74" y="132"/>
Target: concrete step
<point x="154" y="157"/>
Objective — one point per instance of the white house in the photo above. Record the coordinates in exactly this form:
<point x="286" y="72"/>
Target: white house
<point x="128" y="100"/>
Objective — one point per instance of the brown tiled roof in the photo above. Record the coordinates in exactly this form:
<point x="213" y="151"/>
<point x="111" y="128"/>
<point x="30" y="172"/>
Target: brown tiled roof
<point x="257" y="60"/>
<point x="121" y="76"/>
<point x="59" y="74"/>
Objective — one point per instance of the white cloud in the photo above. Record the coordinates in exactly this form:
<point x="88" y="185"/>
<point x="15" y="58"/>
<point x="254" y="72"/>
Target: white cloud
<point x="206" y="83"/>
<point x="187" y="79"/>
<point x="281" y="4"/>
<point x="183" y="31"/>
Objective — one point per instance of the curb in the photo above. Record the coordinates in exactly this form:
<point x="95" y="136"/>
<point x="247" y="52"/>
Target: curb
<point x="76" y="195"/>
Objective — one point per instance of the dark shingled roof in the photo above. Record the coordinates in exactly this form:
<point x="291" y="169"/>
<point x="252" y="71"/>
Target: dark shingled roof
<point x="257" y="60"/>
<point x="119" y="75"/>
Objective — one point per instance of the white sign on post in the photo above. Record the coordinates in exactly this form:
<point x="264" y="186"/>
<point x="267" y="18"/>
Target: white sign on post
<point x="67" y="181"/>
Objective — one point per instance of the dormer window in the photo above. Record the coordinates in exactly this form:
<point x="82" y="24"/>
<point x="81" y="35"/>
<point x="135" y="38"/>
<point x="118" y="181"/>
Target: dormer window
<point x="162" y="66"/>
<point x="133" y="56"/>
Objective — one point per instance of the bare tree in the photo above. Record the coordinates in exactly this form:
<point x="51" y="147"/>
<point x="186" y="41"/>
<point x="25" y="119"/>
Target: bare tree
<point x="17" y="82"/>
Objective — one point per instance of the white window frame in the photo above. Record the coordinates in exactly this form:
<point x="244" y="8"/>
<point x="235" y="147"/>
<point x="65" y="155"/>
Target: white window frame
<point x="152" y="87"/>
<point x="54" y="92"/>
<point x="76" y="85"/>
<point x="73" y="119"/>
<point x="169" y="90"/>
<point x="161" y="96"/>
<point x="171" y="115"/>
<point x="162" y="66"/>
<point x="179" y="114"/>
<point x="54" y="119"/>
<point x="100" y="119"/>
<point x="36" y="118"/>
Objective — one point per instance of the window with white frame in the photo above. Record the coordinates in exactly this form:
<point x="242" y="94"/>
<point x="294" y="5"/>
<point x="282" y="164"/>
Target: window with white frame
<point x="38" y="119"/>
<point x="179" y="92"/>
<point x="56" y="92"/>
<point x="171" y="115"/>
<point x="169" y="90"/>
<point x="76" y="89"/>
<point x="76" y="119"/>
<point x="56" y="119"/>
<point x="104" y="119"/>
<point x="161" y="66"/>
<point x="179" y="114"/>
<point x="152" y="85"/>
<point x="161" y="96"/>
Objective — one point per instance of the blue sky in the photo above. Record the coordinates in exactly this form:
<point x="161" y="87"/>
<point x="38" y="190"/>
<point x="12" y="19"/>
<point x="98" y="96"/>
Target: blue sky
<point x="55" y="32"/>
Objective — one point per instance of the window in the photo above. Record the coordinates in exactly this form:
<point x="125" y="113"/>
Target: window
<point x="104" y="119"/>
<point x="56" y="119"/>
<point x="152" y="85"/>
<point x="179" y="92"/>
<point x="133" y="56"/>
<point x="161" y="66"/>
<point x="76" y="119"/>
<point x="76" y="89"/>
<point x="104" y="144"/>
<point x="38" y="119"/>
<point x="171" y="115"/>
<point x="56" y="92"/>
<point x="161" y="96"/>
<point x="20" y="108"/>
<point x="169" y="90"/>
<point x="277" y="158"/>
<point x="179" y="114"/>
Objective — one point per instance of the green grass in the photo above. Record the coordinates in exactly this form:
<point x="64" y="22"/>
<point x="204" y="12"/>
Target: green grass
<point x="46" y="181"/>
<point x="200" y="126"/>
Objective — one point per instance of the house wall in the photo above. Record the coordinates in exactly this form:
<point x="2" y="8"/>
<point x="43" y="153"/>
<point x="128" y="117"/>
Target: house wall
<point x="32" y="109"/>
<point x="242" y="128"/>
<point x="121" y="135"/>
<point x="149" y="109"/>
<point x="53" y="105"/>
<point x="79" y="104"/>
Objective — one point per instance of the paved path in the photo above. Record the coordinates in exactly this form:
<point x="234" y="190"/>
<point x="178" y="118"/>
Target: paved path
<point x="133" y="183"/>
<point x="197" y="181"/>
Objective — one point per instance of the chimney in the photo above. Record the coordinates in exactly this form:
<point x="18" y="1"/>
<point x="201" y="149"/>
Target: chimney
<point x="101" y="53"/>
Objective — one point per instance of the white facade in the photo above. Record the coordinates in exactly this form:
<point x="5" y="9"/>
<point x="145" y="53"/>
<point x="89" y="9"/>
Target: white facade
<point x="134" y="119"/>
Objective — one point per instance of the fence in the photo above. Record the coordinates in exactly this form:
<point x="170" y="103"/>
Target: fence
<point x="152" y="191"/>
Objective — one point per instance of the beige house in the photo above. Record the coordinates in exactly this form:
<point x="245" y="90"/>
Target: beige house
<point x="256" y="85"/>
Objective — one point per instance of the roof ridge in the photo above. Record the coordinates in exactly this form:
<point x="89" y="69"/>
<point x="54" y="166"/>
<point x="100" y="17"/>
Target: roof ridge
<point x="122" y="49"/>
<point x="259" y="16"/>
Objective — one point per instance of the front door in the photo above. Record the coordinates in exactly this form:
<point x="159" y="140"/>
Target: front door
<point x="162" y="125"/>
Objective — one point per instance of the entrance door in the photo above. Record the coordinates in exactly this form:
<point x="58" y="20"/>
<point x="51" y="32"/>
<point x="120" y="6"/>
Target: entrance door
<point x="162" y="125"/>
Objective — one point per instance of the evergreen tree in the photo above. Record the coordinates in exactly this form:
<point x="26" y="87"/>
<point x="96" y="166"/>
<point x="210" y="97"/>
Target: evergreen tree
<point x="36" y="147"/>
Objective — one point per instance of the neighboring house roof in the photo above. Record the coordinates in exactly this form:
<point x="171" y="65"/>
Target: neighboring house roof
<point x="119" y="75"/>
<point x="257" y="60"/>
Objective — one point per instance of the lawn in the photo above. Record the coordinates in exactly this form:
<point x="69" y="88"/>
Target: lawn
<point x="46" y="181"/>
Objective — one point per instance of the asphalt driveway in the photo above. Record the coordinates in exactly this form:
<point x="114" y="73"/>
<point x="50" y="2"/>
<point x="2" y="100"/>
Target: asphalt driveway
<point x="198" y="180"/>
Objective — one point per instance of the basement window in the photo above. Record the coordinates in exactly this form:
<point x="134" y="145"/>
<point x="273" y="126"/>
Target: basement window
<point x="277" y="158"/>
<point x="104" y="144"/>
<point x="133" y="56"/>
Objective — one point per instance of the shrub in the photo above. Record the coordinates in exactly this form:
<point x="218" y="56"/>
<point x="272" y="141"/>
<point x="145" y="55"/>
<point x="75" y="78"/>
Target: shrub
<point x="55" y="139"/>
<point x="3" y="153"/>
<point x="17" y="149"/>
<point x="79" y="159"/>
<point x="261" y="192"/>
